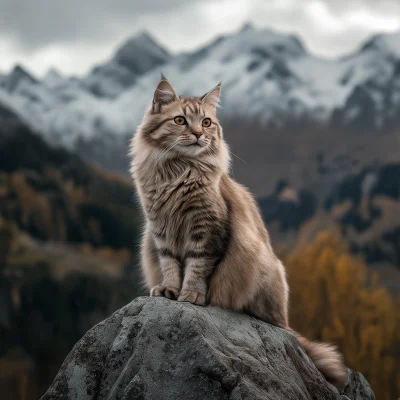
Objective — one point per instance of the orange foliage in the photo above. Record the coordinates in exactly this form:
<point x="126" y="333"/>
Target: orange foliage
<point x="33" y="204"/>
<point x="335" y="298"/>
<point x="121" y="256"/>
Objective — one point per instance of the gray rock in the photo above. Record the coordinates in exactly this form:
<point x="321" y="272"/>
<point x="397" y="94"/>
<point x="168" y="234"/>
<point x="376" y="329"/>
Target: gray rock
<point x="155" y="348"/>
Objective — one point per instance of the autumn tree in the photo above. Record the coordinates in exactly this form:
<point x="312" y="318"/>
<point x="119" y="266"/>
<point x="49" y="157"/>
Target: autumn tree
<point x="335" y="298"/>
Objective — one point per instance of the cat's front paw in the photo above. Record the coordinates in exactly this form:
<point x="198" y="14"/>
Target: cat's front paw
<point x="165" y="291"/>
<point x="192" y="297"/>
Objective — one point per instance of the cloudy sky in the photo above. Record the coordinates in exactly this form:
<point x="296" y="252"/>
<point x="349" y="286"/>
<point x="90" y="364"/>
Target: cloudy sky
<point x="73" y="35"/>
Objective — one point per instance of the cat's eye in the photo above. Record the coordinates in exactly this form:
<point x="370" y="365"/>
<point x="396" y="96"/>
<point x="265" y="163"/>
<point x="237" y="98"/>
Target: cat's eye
<point x="180" y="120"/>
<point x="206" y="122"/>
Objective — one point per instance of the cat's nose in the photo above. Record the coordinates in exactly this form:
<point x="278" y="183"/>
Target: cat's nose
<point x="197" y="134"/>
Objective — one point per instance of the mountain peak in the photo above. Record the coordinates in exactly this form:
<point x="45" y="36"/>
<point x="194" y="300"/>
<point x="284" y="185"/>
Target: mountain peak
<point x="142" y="45"/>
<point x="17" y="75"/>
<point x="52" y="78"/>
<point x="18" y="70"/>
<point x="247" y="27"/>
<point x="278" y="42"/>
<point x="143" y="37"/>
<point x="137" y="56"/>
<point x="53" y="73"/>
<point x="388" y="42"/>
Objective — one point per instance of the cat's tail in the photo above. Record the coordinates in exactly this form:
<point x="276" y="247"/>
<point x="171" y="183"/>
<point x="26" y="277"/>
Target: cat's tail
<point x="326" y="358"/>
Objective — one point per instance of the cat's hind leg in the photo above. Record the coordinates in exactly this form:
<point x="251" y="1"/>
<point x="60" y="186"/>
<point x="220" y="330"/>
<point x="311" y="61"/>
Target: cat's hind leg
<point x="270" y="301"/>
<point x="151" y="271"/>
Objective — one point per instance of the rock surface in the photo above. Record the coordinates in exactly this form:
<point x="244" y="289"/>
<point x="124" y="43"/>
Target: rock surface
<point x="155" y="348"/>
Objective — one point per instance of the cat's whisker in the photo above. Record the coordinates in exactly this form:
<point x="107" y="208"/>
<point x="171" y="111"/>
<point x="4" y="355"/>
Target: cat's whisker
<point x="209" y="152"/>
<point x="167" y="150"/>
<point x="238" y="157"/>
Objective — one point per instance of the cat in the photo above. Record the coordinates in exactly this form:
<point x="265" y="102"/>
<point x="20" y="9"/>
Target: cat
<point x="204" y="240"/>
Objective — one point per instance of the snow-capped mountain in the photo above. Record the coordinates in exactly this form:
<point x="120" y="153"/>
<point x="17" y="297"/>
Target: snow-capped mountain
<point x="134" y="59"/>
<point x="270" y="81"/>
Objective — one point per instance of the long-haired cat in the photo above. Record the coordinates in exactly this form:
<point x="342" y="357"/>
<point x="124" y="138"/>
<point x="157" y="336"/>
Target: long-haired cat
<point x="205" y="241"/>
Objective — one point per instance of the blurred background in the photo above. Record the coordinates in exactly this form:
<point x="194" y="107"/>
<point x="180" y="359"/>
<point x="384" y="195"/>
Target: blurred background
<point x="310" y="108"/>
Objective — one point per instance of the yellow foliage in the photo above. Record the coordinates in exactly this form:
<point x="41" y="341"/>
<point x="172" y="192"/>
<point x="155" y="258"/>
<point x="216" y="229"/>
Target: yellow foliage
<point x="32" y="203"/>
<point x="334" y="298"/>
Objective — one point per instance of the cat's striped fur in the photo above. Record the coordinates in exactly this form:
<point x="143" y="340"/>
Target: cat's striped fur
<point x="204" y="240"/>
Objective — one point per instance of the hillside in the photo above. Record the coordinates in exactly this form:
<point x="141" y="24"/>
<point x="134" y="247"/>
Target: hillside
<point x="364" y="208"/>
<point x="68" y="240"/>
<point x="53" y="195"/>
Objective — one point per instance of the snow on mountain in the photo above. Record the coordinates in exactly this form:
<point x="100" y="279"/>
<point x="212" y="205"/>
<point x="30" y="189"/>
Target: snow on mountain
<point x="268" y="78"/>
<point x="17" y="75"/>
<point x="254" y="68"/>
<point x="136" y="57"/>
<point x="388" y="43"/>
<point x="53" y="78"/>
<point x="69" y="109"/>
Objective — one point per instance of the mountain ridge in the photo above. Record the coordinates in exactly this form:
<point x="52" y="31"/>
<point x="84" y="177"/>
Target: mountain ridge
<point x="272" y="87"/>
<point x="290" y="71"/>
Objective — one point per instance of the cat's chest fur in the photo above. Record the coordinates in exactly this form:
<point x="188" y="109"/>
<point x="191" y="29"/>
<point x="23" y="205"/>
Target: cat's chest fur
<point x="179" y="200"/>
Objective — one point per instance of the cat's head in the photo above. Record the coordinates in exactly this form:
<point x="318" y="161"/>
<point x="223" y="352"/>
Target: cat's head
<point x="184" y="127"/>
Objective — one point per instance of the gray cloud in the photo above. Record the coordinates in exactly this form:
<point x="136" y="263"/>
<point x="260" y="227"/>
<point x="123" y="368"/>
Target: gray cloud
<point x="33" y="24"/>
<point x="331" y="27"/>
<point x="379" y="6"/>
<point x="73" y="35"/>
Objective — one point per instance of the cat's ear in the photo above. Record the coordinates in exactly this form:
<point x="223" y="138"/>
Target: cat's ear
<point x="164" y="93"/>
<point x="213" y="96"/>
